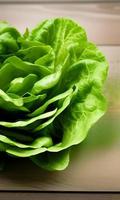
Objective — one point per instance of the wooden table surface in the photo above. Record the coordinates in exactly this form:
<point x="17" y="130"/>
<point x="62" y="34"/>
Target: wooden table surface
<point x="95" y="164"/>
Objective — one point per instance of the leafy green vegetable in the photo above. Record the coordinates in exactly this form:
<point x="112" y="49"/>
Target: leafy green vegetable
<point x="51" y="81"/>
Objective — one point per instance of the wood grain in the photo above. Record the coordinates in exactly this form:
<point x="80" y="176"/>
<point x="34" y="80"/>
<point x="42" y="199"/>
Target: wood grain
<point x="58" y="1"/>
<point x="101" y="21"/>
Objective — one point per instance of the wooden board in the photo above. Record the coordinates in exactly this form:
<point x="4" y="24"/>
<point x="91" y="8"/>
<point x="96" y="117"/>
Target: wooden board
<point x="58" y="1"/>
<point x="58" y="196"/>
<point x="95" y="163"/>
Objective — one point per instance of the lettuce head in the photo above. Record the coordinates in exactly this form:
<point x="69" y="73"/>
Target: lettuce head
<point x="51" y="81"/>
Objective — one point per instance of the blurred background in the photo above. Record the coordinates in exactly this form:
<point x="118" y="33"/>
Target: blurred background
<point x="95" y="163"/>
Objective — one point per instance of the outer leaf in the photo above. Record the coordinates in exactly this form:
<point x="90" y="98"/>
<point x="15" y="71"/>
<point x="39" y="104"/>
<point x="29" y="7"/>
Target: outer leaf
<point x="64" y="104"/>
<point x="11" y="102"/>
<point x="80" y="117"/>
<point x="21" y="86"/>
<point x="63" y="35"/>
<point x="24" y="152"/>
<point x="39" y="54"/>
<point x="39" y="142"/>
<point x="42" y="108"/>
<point x="28" y="121"/>
<point x="46" y="83"/>
<point x="8" y="39"/>
<point x="52" y="161"/>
